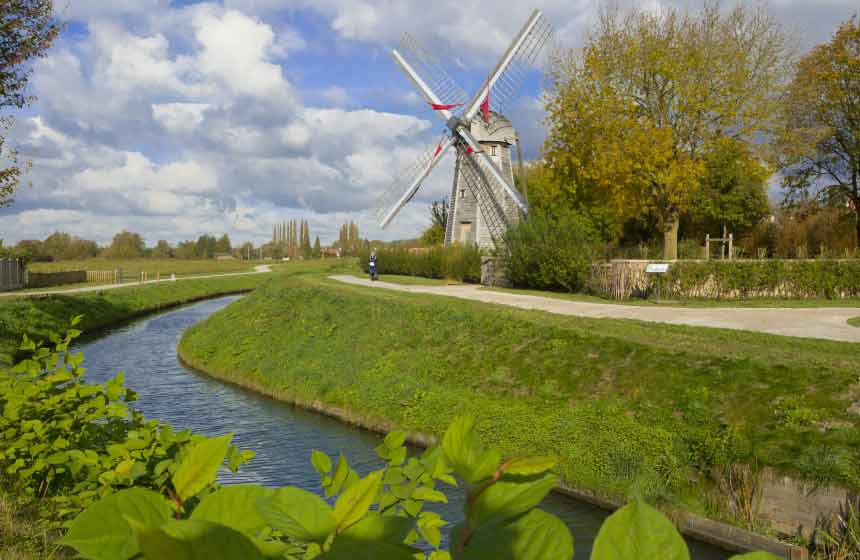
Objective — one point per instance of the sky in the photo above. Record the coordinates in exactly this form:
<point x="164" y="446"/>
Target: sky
<point x="174" y="118"/>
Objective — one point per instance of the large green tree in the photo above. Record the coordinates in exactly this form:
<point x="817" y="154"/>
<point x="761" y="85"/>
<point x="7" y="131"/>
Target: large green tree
<point x="27" y="29"/>
<point x="126" y="245"/>
<point x="435" y="234"/>
<point x="820" y="135"/>
<point x="631" y="115"/>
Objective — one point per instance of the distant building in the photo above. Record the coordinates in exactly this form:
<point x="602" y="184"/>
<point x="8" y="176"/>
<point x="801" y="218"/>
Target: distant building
<point x="224" y="257"/>
<point x="330" y="252"/>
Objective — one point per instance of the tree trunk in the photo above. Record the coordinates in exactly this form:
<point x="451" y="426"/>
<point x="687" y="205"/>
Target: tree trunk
<point x="670" y="238"/>
<point x="857" y="221"/>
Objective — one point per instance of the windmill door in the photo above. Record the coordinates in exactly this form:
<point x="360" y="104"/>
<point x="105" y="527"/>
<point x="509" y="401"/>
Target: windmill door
<point x="467" y="234"/>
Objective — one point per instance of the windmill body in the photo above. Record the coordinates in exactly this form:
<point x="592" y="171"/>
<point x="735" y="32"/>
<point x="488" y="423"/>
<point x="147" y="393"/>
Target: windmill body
<point x="484" y="199"/>
<point x="466" y="221"/>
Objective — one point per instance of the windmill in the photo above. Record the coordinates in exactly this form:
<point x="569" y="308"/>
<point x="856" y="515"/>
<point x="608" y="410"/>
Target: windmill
<point x="484" y="200"/>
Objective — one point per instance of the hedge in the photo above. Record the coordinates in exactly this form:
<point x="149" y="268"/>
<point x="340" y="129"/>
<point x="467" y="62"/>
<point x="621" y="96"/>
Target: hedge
<point x="819" y="278"/>
<point x="457" y="262"/>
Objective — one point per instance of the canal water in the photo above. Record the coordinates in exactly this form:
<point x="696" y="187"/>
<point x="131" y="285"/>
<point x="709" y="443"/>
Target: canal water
<point x="282" y="435"/>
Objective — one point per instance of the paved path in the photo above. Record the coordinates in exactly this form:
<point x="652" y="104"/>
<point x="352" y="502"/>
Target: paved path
<point x="259" y="269"/>
<point x="825" y="322"/>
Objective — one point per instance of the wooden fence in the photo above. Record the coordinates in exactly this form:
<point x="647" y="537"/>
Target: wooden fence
<point x="103" y="277"/>
<point x="12" y="274"/>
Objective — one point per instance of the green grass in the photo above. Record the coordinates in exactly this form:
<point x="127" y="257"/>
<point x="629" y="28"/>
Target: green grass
<point x="627" y="406"/>
<point x="700" y="303"/>
<point x="412" y="280"/>
<point x="133" y="267"/>
<point x="855" y="322"/>
<point x="38" y="316"/>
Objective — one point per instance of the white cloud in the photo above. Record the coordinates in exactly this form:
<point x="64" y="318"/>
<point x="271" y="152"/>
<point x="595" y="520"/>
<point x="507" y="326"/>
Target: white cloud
<point x="179" y="118"/>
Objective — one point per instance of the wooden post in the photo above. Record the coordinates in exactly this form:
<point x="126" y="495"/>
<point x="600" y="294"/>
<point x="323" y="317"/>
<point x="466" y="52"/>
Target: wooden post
<point x="707" y="246"/>
<point x="731" y="246"/>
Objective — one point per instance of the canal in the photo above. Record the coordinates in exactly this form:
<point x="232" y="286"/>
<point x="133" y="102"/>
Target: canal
<point x="282" y="435"/>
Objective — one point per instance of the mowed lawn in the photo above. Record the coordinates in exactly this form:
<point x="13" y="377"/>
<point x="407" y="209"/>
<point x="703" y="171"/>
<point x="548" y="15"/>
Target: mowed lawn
<point x="628" y="407"/>
<point x="133" y="267"/>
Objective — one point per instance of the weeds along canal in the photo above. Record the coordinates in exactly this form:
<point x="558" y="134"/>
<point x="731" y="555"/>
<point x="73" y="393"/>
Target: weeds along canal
<point x="282" y="435"/>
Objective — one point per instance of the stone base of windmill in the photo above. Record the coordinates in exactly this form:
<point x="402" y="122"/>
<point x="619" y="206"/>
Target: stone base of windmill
<point x="494" y="273"/>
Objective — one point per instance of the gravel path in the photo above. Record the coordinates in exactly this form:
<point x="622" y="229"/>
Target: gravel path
<point x="259" y="269"/>
<point x="827" y="322"/>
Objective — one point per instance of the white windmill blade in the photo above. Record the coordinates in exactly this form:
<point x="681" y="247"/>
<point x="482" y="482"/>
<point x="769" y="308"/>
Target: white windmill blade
<point x="490" y="169"/>
<point x="508" y="75"/>
<point x="430" y="68"/>
<point x="394" y="199"/>
<point x="427" y="92"/>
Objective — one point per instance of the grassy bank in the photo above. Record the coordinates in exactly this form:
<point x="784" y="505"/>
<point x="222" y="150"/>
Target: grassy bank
<point x="855" y="322"/>
<point x="133" y="267"/>
<point x="38" y="316"/>
<point x="628" y="407"/>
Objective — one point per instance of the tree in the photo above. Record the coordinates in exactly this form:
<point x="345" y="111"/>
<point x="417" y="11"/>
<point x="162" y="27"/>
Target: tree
<point x="435" y="234"/>
<point x="222" y="246"/>
<point x="317" y="251"/>
<point x="820" y="136"/>
<point x="246" y="251"/>
<point x="186" y="250"/>
<point x="632" y="116"/>
<point x="126" y="245"/>
<point x="162" y="250"/>
<point x="27" y="30"/>
<point x="205" y="246"/>
<point x="56" y="245"/>
<point x="733" y="190"/>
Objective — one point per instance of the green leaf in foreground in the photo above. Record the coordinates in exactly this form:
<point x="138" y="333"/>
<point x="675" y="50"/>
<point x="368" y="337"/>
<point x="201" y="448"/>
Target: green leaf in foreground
<point x="299" y="514"/>
<point x="639" y="531"/>
<point x="465" y="453"/>
<point x="234" y="506"/>
<point x="355" y="501"/>
<point x="528" y="466"/>
<point x="350" y="549"/>
<point x="535" y="536"/>
<point x="321" y="462"/>
<point x="375" y="527"/>
<point x="200" y="466"/>
<point x="505" y="500"/>
<point x="195" y="540"/>
<point x="101" y="532"/>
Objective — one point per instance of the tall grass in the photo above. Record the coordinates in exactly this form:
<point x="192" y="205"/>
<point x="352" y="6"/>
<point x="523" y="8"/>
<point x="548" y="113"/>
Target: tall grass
<point x="456" y="262"/>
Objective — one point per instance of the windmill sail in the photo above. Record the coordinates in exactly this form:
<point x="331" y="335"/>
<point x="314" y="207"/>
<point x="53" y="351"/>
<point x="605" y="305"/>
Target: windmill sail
<point x="450" y="94"/>
<point x="406" y="184"/>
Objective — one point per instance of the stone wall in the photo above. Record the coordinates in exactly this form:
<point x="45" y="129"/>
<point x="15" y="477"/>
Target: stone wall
<point x="49" y="279"/>
<point x="494" y="273"/>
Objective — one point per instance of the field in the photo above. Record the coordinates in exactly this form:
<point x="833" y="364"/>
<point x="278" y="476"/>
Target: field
<point x="628" y="407"/>
<point x="39" y="316"/>
<point x="133" y="267"/>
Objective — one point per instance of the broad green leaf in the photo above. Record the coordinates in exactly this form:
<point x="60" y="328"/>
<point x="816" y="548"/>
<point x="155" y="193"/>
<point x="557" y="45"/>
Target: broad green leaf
<point x="528" y="466"/>
<point x="534" y="536"/>
<point x="756" y="556"/>
<point x="234" y="506"/>
<point x="321" y="462"/>
<point x="385" y="528"/>
<point x="350" y="549"/>
<point x="355" y="501"/>
<point x="339" y="476"/>
<point x="395" y="440"/>
<point x="507" y="499"/>
<point x="195" y="540"/>
<point x="429" y="495"/>
<point x="101" y="532"/>
<point x="638" y="531"/>
<point x="464" y="452"/>
<point x="298" y="513"/>
<point x="199" y="467"/>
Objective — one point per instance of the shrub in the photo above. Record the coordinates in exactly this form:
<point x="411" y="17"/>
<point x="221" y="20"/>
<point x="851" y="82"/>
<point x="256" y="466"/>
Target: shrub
<point x="766" y="278"/>
<point x="456" y="262"/>
<point x="548" y="252"/>
<point x="64" y="443"/>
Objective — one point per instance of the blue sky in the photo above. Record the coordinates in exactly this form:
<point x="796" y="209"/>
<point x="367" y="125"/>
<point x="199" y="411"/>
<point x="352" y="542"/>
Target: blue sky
<point x="176" y="118"/>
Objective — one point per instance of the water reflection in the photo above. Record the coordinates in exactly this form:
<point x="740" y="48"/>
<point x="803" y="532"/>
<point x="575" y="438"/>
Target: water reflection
<point x="283" y="436"/>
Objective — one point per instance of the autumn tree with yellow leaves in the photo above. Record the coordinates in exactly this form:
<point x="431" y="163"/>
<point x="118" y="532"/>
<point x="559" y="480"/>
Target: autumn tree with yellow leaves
<point x="820" y="136"/>
<point x="634" y="113"/>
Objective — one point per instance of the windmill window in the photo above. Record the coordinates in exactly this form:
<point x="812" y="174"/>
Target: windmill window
<point x="462" y="193"/>
<point x="493" y="149"/>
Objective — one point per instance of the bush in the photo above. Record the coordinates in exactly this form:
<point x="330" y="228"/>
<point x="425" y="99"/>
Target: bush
<point x="456" y="262"/>
<point x="766" y="278"/>
<point x="548" y="252"/>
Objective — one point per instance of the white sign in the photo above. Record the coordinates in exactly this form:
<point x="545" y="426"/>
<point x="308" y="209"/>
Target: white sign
<point x="657" y="268"/>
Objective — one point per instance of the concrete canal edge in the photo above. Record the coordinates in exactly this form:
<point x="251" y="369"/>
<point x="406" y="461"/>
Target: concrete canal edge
<point x="720" y="534"/>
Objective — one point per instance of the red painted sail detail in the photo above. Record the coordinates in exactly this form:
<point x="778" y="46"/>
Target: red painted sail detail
<point x="444" y="107"/>
<point x="485" y="108"/>
<point x="469" y="150"/>
<point x="438" y="149"/>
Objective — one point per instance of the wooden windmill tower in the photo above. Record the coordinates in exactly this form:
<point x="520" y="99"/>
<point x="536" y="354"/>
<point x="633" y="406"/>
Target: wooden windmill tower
<point x="484" y="199"/>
